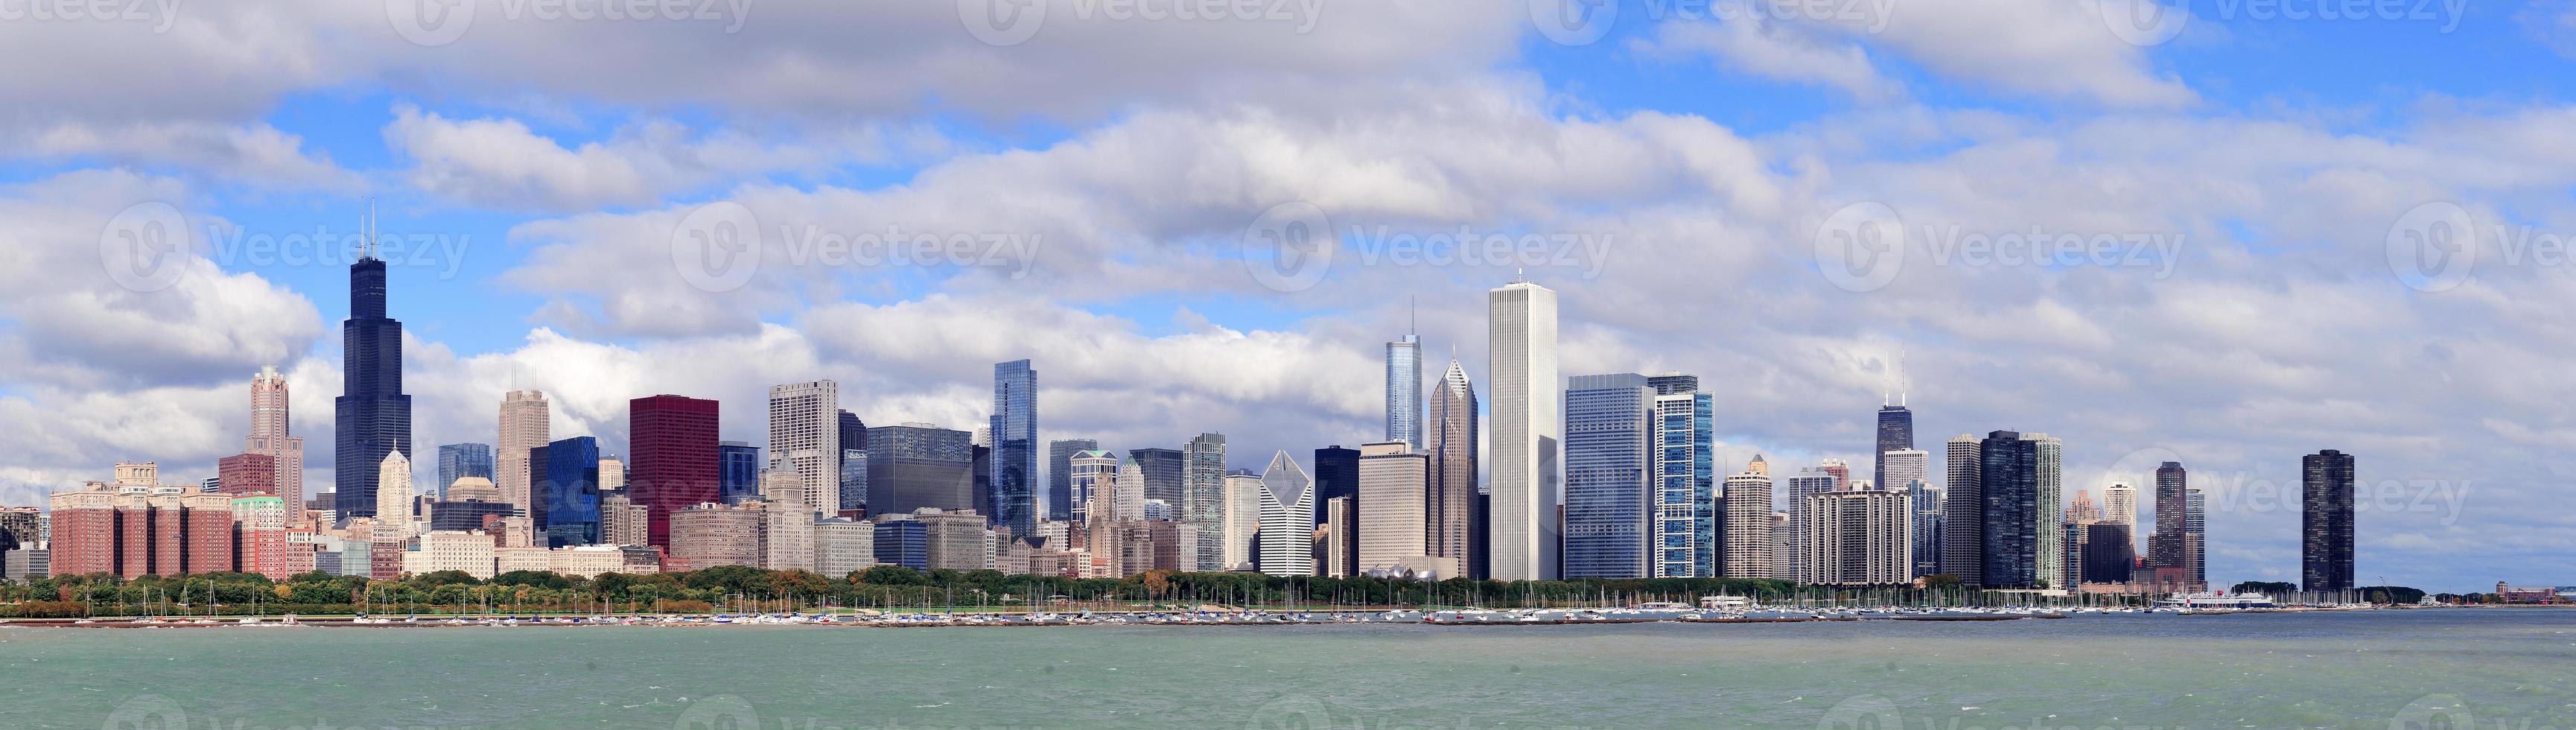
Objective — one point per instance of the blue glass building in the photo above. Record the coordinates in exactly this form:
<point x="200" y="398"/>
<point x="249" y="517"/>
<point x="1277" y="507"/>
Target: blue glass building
<point x="2013" y="521"/>
<point x="564" y="493"/>
<point x="1685" y="486"/>
<point x="1013" y="468"/>
<point x="458" y="461"/>
<point x="1404" y="391"/>
<point x="1060" y="499"/>
<point x="1607" y="465"/>
<point x="905" y="543"/>
<point x="371" y="417"/>
<point x="737" y="471"/>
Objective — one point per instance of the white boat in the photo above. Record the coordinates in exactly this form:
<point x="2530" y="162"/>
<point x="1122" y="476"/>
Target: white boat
<point x="2213" y="600"/>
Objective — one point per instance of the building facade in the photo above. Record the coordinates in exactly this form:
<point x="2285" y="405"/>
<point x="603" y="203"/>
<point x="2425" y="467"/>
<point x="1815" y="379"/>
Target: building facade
<point x="1748" y="526"/>
<point x="1609" y="426"/>
<point x="524" y="428"/>
<point x="2326" y="521"/>
<point x="1287" y="498"/>
<point x="676" y="459"/>
<point x="372" y="416"/>
<point x="271" y="433"/>
<point x="1015" y="446"/>
<point x="1527" y="424"/>
<point x="1404" y="420"/>
<point x="805" y="432"/>
<point x="1448" y="508"/>
<point x="1860" y="538"/>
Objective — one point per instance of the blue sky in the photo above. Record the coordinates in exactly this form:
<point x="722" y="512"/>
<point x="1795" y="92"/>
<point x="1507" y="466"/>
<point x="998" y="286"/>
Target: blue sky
<point x="1139" y="160"/>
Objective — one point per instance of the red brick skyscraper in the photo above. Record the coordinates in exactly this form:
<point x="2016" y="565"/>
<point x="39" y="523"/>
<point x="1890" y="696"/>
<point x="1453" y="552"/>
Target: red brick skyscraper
<point x="673" y="464"/>
<point x="269" y="435"/>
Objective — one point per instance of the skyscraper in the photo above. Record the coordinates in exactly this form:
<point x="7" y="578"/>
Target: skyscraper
<point x="1404" y="391"/>
<point x="2164" y="546"/>
<point x="1963" y="515"/>
<point x="524" y="426"/>
<point x="1287" y="519"/>
<point x="1394" y="534"/>
<point x="271" y="434"/>
<point x="392" y="490"/>
<point x="916" y="465"/>
<point x="2325" y="521"/>
<point x="2195" y="540"/>
<point x="1015" y="447"/>
<point x="1683" y="535"/>
<point x="1453" y="466"/>
<point x="737" y="471"/>
<point x="372" y="416"/>
<point x="805" y="432"/>
<point x="1242" y="519"/>
<point x="1061" y="504"/>
<point x="1895" y="433"/>
<point x="1858" y="538"/>
<point x="2023" y="524"/>
<point x="1900" y="467"/>
<point x="853" y="474"/>
<point x="1087" y="470"/>
<point x="458" y="461"/>
<point x="2120" y="504"/>
<point x="2050" y="507"/>
<point x="1927" y="527"/>
<point x="567" y="495"/>
<point x="1165" y="472"/>
<point x="1337" y="476"/>
<point x="1748" y="526"/>
<point x="1526" y="423"/>
<point x="1802" y="490"/>
<point x="1203" y="497"/>
<point x="677" y="460"/>
<point x="1608" y="467"/>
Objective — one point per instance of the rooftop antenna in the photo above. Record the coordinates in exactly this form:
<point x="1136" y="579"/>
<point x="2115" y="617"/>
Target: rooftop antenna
<point x="367" y="233"/>
<point x="1901" y="383"/>
<point x="1413" y="314"/>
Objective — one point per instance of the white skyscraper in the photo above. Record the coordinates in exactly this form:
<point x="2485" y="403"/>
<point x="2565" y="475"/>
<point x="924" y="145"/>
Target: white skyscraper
<point x="2120" y="504"/>
<point x="1526" y="428"/>
<point x="524" y="426"/>
<point x="1242" y="519"/>
<point x="1905" y="466"/>
<point x="1749" y="549"/>
<point x="393" y="498"/>
<point x="789" y="533"/>
<point x="805" y="429"/>
<point x="1287" y="518"/>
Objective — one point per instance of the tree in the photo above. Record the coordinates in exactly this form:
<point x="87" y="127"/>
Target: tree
<point x="892" y="575"/>
<point x="1941" y="580"/>
<point x="532" y="579"/>
<point x="444" y="577"/>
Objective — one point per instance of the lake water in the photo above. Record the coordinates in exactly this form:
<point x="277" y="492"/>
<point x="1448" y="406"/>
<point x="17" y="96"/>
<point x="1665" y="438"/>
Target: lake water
<point x="2460" y="669"/>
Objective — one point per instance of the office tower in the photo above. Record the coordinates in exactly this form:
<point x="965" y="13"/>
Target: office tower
<point x="1098" y="477"/>
<point x="1526" y="421"/>
<point x="372" y="416"/>
<point x="2108" y="554"/>
<point x="1748" y="526"/>
<point x="458" y="461"/>
<point x="1287" y="518"/>
<point x="1404" y="391"/>
<point x="1087" y="471"/>
<point x="1802" y="489"/>
<point x="393" y="492"/>
<point x="981" y="457"/>
<point x="1480" y="534"/>
<point x="1242" y="520"/>
<point x="1452" y="498"/>
<point x="2082" y="511"/>
<point x="853" y="474"/>
<point x="1175" y="545"/>
<point x="1895" y="433"/>
<point x="565" y="491"/>
<point x="956" y="540"/>
<point x="788" y="518"/>
<point x="843" y="546"/>
<point x="2195" y="540"/>
<point x="1061" y="504"/>
<point x="1963" y="515"/>
<point x="1165" y="472"/>
<point x="1840" y="471"/>
<point x="1394" y="530"/>
<point x="1758" y="466"/>
<point x="2120" y="504"/>
<point x="1673" y="383"/>
<point x="708" y="535"/>
<point x="2325" y="521"/>
<point x="1784" y="537"/>
<point x="805" y="431"/>
<point x="137" y="526"/>
<point x="1608" y="422"/>
<point x="271" y="434"/>
<point x="737" y="471"/>
<point x="916" y="465"/>
<point x="247" y="474"/>
<point x="1337" y="474"/>
<point x="612" y="474"/>
<point x="621" y="520"/>
<point x="259" y="535"/>
<point x="1129" y="503"/>
<point x="1926" y="528"/>
<point x="904" y="543"/>
<point x="1203" y="498"/>
<point x="1015" y="447"/>
<point x="2050" y="507"/>
<point x="1332" y="550"/>
<point x="2164" y="546"/>
<point x="1859" y="538"/>
<point x="1899" y="467"/>
<point x="1683" y="537"/>
<point x="524" y="426"/>
<point x="676" y="457"/>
